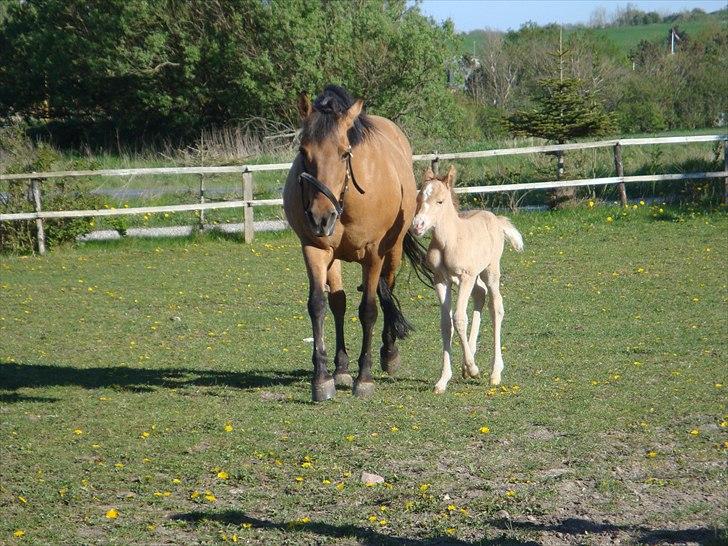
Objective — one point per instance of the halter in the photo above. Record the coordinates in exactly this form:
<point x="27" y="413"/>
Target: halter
<point x="322" y="188"/>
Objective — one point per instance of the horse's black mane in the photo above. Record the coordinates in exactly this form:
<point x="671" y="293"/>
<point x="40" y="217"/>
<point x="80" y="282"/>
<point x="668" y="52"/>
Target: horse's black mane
<point x="331" y="104"/>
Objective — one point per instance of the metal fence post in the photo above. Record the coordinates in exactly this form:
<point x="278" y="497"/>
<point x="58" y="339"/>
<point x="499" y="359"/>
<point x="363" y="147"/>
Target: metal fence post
<point x="248" y="210"/>
<point x="619" y="168"/>
<point x="725" y="168"/>
<point x="35" y="190"/>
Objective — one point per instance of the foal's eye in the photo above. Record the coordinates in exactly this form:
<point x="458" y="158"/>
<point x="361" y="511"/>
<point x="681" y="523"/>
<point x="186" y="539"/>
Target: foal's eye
<point x="440" y="202"/>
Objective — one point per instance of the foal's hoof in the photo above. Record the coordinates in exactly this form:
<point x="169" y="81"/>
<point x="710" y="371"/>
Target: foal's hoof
<point x="390" y="361"/>
<point x="343" y="380"/>
<point x="471" y="373"/>
<point x="363" y="389"/>
<point x="495" y="379"/>
<point x="323" y="391"/>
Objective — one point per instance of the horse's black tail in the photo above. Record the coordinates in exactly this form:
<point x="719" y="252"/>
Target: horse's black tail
<point x="416" y="254"/>
<point x="399" y="326"/>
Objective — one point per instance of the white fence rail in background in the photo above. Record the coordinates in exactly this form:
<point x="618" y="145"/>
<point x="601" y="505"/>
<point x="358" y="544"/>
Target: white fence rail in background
<point x="247" y="203"/>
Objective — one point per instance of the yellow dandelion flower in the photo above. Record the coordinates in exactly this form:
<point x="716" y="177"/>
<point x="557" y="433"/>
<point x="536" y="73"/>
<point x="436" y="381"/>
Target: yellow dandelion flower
<point x="393" y="429"/>
<point x="247" y="525"/>
<point x="590" y="204"/>
<point x="373" y="518"/>
<point x="609" y="219"/>
<point x="145" y="434"/>
<point x="695" y="432"/>
<point x="484" y="430"/>
<point x="450" y="531"/>
<point x="19" y="533"/>
<point x="451" y="507"/>
<point x="78" y="432"/>
<point x="424" y="487"/>
<point x="228" y="427"/>
<point x="210" y="497"/>
<point x="194" y="494"/>
<point x="306" y="464"/>
<point x="119" y="465"/>
<point x="408" y="505"/>
<point x="326" y="481"/>
<point x="176" y="481"/>
<point x="383" y="522"/>
<point x="340" y="486"/>
<point x="651" y="454"/>
<point x="223" y="475"/>
<point x="350" y="437"/>
<point x="724" y="424"/>
<point x="23" y="500"/>
<point x="510" y="493"/>
<point x="299" y="479"/>
<point x="112" y="514"/>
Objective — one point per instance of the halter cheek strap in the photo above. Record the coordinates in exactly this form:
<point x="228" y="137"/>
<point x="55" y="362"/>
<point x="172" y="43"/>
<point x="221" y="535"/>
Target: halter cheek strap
<point x="322" y="188"/>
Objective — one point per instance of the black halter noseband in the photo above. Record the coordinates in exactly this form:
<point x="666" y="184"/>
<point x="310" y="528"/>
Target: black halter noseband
<point x="322" y="188"/>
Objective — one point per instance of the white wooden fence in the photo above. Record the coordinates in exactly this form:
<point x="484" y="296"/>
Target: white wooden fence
<point x="247" y="203"/>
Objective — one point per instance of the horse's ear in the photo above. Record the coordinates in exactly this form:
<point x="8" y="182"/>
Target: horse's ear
<point x="353" y="112"/>
<point x="429" y="174"/>
<point x="449" y="179"/>
<point x="304" y="105"/>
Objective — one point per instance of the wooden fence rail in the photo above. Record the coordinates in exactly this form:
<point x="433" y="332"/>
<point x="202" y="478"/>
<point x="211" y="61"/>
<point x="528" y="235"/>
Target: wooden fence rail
<point x="247" y="203"/>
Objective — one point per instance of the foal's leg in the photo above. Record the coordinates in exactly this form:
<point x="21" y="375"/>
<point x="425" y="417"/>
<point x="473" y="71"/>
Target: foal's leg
<point x="492" y="280"/>
<point x="479" y="294"/>
<point x="337" y="303"/>
<point x="444" y="294"/>
<point x="363" y="385"/>
<point x="317" y="262"/>
<point x="461" y="322"/>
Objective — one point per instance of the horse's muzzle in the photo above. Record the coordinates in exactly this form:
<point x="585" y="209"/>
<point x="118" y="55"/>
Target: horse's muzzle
<point x="322" y="226"/>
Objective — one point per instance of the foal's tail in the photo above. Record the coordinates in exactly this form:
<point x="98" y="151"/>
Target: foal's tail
<point x="511" y="234"/>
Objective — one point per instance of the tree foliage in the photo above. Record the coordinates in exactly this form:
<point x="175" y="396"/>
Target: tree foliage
<point x="173" y="66"/>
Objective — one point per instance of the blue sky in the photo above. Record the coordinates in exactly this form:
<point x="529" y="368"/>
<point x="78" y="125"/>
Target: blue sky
<point x="508" y="14"/>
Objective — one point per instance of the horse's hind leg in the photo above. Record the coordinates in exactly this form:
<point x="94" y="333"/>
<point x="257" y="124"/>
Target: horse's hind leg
<point x="495" y="304"/>
<point x="364" y="385"/>
<point x="317" y="261"/>
<point x="479" y="295"/>
<point x="337" y="303"/>
<point x="389" y="353"/>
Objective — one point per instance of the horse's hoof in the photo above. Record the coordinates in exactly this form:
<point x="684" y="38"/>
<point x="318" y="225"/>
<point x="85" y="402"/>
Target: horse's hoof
<point x="363" y="389"/>
<point x="343" y="380"/>
<point x="323" y="391"/>
<point x="390" y="362"/>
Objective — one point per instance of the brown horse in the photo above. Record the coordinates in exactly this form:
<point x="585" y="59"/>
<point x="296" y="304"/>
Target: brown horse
<point x="350" y="195"/>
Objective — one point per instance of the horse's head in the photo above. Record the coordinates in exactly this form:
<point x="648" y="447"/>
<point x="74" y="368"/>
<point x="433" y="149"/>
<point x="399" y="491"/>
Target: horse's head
<point x="434" y="199"/>
<point x="326" y="150"/>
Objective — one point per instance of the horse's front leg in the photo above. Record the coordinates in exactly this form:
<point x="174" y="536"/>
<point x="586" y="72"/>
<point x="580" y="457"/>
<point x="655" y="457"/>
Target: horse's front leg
<point x="337" y="303"/>
<point x="467" y="282"/>
<point x="444" y="294"/>
<point x="364" y="385"/>
<point x="317" y="262"/>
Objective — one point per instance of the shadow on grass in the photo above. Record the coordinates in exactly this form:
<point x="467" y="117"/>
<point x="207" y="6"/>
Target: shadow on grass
<point x="15" y="376"/>
<point x="640" y="534"/>
<point x="363" y="535"/>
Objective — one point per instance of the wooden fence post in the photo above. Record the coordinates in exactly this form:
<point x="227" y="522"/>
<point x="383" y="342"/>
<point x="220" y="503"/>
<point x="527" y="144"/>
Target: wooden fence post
<point x="435" y="164"/>
<point x="202" y="200"/>
<point x="725" y="168"/>
<point x="619" y="168"/>
<point x="248" y="210"/>
<point x="35" y="190"/>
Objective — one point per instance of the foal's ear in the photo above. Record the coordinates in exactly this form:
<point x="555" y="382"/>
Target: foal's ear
<point x="352" y="113"/>
<point x="449" y="179"/>
<point x="304" y="105"/>
<point x="429" y="174"/>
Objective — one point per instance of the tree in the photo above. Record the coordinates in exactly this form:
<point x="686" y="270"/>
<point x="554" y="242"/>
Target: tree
<point x="563" y="110"/>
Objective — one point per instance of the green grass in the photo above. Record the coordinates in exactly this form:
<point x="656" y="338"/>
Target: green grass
<point x="121" y="365"/>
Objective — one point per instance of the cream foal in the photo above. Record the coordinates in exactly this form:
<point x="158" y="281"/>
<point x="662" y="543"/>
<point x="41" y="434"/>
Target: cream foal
<point x="466" y="249"/>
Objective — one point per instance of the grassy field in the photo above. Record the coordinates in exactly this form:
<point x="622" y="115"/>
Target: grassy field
<point x="157" y="392"/>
